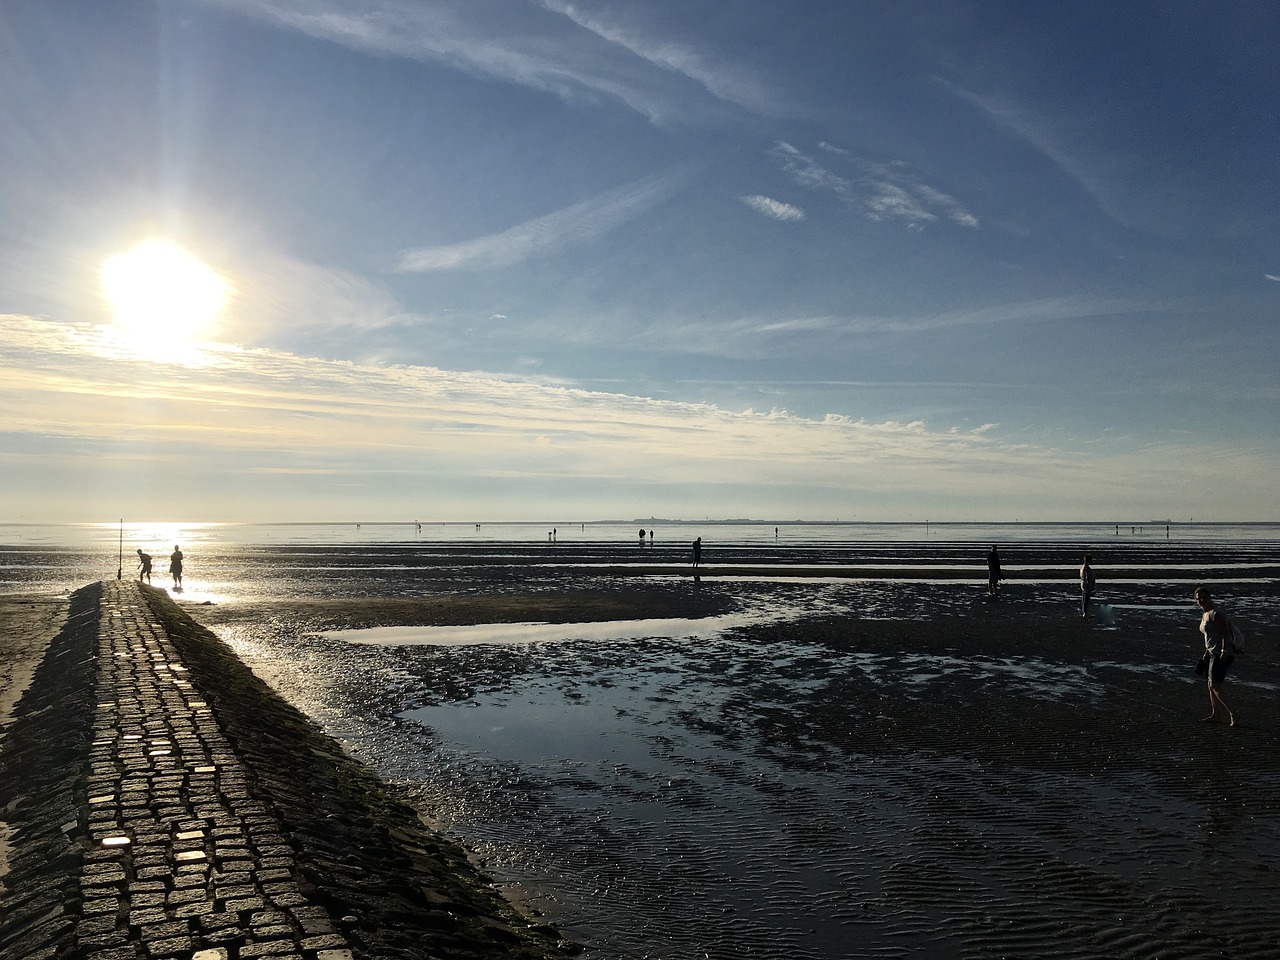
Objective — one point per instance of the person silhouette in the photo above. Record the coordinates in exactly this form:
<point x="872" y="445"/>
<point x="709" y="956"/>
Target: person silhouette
<point x="993" y="572"/>
<point x="697" y="552"/>
<point x="1219" y="649"/>
<point x="1087" y="582"/>
<point x="144" y="565"/>
<point x="175" y="567"/>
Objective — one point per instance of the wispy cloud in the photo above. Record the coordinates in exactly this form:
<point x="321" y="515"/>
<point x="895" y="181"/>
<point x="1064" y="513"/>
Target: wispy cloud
<point x="552" y="46"/>
<point x="256" y="410"/>
<point x="1272" y="277"/>
<point x="749" y="338"/>
<point x="774" y="209"/>
<point x="880" y="191"/>
<point x="1077" y="156"/>
<point x="278" y="294"/>
<point x="314" y="434"/>
<point x="576" y="224"/>
<point x="730" y="83"/>
<point x="1036" y="131"/>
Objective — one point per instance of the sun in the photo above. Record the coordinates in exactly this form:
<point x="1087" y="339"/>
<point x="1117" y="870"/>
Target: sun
<point x="162" y="298"/>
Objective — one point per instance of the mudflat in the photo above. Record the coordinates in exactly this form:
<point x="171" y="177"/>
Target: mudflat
<point x="28" y="623"/>
<point x="891" y="769"/>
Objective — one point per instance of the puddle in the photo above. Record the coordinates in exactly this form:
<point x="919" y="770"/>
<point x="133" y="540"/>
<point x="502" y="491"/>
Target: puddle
<point x="510" y="634"/>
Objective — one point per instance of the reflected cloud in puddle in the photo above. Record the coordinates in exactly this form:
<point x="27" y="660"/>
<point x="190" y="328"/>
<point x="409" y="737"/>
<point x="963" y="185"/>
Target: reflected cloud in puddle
<point x="508" y="634"/>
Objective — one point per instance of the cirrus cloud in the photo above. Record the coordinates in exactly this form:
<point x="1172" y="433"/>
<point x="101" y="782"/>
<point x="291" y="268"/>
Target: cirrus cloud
<point x="774" y="209"/>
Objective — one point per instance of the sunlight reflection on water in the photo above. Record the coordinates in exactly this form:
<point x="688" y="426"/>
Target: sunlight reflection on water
<point x="518" y="633"/>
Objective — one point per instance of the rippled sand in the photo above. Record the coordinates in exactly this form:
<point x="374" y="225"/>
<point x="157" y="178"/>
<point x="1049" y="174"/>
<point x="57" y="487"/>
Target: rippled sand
<point x="861" y="767"/>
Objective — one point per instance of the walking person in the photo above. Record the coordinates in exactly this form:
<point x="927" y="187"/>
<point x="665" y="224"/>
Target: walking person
<point x="144" y="565"/>
<point x="1220" y="648"/>
<point x="697" y="552"/>
<point x="993" y="572"/>
<point x="1087" y="582"/>
<point x="175" y="567"/>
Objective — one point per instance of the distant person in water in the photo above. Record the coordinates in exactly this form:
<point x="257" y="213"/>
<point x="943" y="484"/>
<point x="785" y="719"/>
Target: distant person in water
<point x="994" y="575"/>
<point x="1087" y="582"/>
<point x="642" y="536"/>
<point x="144" y="565"/>
<point x="175" y="567"/>
<point x="1220" y="646"/>
<point x="697" y="552"/>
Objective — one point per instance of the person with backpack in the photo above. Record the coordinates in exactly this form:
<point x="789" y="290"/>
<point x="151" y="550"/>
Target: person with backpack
<point x="1219" y="649"/>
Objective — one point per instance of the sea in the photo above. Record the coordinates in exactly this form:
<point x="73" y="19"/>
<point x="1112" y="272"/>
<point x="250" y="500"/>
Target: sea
<point x="240" y="560"/>
<point x="691" y="789"/>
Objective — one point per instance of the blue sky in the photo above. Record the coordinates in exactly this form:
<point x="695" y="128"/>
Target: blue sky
<point x="537" y="259"/>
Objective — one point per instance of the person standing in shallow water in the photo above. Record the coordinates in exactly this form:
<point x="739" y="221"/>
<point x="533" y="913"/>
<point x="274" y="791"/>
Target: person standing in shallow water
<point x="175" y="567"/>
<point x="993" y="572"/>
<point x="144" y="565"/>
<point x="1087" y="582"/>
<point x="697" y="552"/>
<point x="1219" y="644"/>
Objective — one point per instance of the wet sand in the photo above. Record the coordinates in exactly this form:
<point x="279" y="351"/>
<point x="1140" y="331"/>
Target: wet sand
<point x="897" y="766"/>
<point x="28" y="624"/>
<point x="899" y="769"/>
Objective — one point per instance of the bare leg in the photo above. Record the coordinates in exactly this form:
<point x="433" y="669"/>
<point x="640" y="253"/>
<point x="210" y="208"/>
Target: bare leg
<point x="1216" y="701"/>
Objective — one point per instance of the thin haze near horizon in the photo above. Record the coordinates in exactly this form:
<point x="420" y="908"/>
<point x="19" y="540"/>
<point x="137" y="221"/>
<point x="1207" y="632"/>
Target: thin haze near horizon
<point x="520" y="259"/>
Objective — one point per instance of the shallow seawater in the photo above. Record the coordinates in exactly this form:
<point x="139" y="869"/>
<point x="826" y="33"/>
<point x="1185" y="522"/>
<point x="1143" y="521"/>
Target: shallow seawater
<point x="505" y="634"/>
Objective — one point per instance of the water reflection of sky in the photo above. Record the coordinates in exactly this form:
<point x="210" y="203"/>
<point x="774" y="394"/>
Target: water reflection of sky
<point x="506" y="634"/>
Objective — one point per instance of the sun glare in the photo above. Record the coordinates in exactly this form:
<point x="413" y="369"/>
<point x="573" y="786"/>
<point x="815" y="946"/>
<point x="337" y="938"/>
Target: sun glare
<point x="162" y="298"/>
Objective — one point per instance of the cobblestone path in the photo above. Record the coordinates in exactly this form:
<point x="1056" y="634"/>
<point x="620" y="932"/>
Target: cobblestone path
<point x="183" y="861"/>
<point x="163" y="802"/>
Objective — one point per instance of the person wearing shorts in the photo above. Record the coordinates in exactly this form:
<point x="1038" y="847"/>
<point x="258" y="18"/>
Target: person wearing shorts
<point x="144" y="565"/>
<point x="1219" y="645"/>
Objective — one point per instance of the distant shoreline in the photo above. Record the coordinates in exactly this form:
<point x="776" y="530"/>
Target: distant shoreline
<point x="664" y="521"/>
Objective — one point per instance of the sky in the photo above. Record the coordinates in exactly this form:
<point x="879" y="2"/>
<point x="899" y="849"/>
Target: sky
<point x="553" y="260"/>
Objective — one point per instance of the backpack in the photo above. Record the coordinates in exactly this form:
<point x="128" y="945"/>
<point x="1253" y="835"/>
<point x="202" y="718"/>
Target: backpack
<point x="1237" y="638"/>
<point x="1237" y="635"/>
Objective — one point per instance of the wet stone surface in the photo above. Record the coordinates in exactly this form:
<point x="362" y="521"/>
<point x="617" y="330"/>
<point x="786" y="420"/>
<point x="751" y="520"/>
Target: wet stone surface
<point x="178" y="844"/>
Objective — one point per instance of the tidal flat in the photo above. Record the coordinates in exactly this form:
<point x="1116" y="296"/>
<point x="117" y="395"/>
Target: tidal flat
<point x="890" y="765"/>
